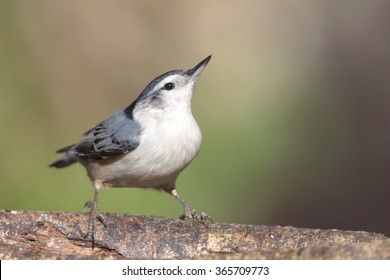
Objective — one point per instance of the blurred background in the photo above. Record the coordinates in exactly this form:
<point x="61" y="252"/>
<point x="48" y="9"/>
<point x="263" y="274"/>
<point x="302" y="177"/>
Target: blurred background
<point x="293" y="106"/>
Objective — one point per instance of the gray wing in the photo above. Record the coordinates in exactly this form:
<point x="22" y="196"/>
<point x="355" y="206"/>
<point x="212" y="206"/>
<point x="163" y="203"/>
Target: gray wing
<point x="118" y="135"/>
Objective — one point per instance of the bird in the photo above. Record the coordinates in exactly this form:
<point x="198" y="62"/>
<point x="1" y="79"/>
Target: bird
<point x="145" y="145"/>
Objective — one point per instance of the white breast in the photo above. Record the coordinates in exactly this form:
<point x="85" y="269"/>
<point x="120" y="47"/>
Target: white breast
<point x="168" y="144"/>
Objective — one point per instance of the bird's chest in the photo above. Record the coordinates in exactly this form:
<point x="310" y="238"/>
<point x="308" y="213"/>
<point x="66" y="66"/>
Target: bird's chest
<point x="165" y="149"/>
<point x="170" y="144"/>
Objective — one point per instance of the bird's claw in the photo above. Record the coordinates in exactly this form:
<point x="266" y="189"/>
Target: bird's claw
<point x="87" y="205"/>
<point x="202" y="217"/>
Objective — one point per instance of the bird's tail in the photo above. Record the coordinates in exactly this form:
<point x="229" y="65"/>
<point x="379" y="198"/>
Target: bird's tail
<point x="69" y="158"/>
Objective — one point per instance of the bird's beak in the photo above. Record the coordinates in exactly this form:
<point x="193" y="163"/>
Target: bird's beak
<point x="194" y="72"/>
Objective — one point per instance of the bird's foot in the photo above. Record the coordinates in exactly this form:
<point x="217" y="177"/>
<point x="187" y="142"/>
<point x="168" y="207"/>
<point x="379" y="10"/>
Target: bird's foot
<point x="190" y="214"/>
<point x="93" y="216"/>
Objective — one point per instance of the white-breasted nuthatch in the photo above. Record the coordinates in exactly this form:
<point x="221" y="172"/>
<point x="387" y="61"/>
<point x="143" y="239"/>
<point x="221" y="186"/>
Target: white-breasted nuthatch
<point x="146" y="145"/>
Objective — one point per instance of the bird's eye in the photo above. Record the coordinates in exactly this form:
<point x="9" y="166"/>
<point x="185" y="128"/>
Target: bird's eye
<point x="169" y="86"/>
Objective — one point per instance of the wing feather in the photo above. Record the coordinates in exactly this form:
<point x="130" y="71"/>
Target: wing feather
<point x="116" y="136"/>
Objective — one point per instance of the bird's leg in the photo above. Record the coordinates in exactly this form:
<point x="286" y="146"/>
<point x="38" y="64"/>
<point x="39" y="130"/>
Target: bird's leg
<point x="190" y="213"/>
<point x="93" y="216"/>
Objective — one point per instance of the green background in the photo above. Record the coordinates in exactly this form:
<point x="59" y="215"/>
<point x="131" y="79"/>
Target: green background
<point x="293" y="106"/>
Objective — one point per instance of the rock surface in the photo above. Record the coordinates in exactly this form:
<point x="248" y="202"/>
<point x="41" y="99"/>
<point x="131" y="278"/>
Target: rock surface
<point x="59" y="235"/>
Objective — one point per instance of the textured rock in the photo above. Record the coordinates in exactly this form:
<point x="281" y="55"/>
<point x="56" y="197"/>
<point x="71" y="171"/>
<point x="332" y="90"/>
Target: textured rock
<point x="59" y="235"/>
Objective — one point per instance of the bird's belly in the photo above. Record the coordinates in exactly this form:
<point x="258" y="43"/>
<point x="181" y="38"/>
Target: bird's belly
<point x="156" y="162"/>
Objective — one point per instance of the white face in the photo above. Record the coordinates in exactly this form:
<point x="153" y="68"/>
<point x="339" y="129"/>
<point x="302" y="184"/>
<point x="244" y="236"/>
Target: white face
<point x="167" y="102"/>
<point x="174" y="88"/>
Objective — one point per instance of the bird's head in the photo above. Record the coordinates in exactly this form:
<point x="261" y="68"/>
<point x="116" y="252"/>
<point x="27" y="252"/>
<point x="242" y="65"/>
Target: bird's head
<point x="171" y="89"/>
